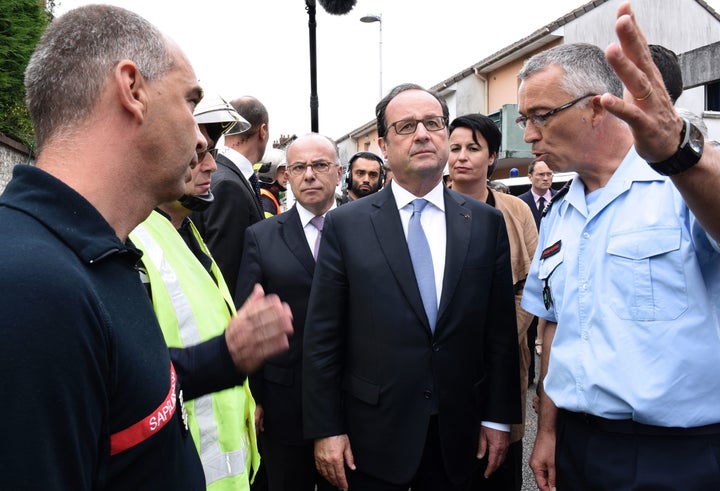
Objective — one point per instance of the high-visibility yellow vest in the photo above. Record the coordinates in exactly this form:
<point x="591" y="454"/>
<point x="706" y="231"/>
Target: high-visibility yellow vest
<point x="269" y="195"/>
<point x="192" y="308"/>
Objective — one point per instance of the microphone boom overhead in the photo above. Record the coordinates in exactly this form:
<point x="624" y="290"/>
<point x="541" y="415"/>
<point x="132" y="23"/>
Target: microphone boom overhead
<point x="337" y="7"/>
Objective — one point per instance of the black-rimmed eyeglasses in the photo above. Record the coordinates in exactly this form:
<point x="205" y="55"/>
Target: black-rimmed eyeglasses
<point x="408" y="126"/>
<point x="541" y="119"/>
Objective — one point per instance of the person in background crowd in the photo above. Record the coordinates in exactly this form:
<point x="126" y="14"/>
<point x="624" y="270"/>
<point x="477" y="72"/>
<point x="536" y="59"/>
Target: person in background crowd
<point x="499" y="187"/>
<point x="669" y="66"/>
<point x="272" y="174"/>
<point x="541" y="191"/>
<point x="236" y="190"/>
<point x="279" y="254"/>
<point x="474" y="146"/>
<point x="365" y="176"/>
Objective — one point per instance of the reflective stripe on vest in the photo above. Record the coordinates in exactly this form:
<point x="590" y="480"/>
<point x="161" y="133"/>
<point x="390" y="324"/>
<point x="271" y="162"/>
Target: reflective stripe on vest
<point x="192" y="308"/>
<point x="268" y="194"/>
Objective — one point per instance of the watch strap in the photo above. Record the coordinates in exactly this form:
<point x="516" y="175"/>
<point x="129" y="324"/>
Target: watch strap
<point x="685" y="157"/>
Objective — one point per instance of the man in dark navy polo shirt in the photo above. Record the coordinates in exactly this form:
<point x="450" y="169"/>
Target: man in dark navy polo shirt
<point x="89" y="396"/>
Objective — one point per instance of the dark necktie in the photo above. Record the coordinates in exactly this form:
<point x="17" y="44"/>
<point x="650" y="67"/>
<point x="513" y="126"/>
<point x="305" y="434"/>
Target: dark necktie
<point x="422" y="262"/>
<point x="317" y="222"/>
<point x="256" y="186"/>
<point x="541" y="204"/>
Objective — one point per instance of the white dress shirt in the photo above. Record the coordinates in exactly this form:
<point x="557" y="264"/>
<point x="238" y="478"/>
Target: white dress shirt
<point x="241" y="162"/>
<point x="536" y="197"/>
<point x="311" y="232"/>
<point x="433" y="224"/>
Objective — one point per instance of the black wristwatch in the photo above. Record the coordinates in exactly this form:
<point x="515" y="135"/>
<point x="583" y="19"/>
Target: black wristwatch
<point x="688" y="154"/>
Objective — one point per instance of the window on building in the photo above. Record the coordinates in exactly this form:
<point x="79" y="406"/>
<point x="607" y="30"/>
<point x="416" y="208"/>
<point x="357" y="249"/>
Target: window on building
<point x="712" y="96"/>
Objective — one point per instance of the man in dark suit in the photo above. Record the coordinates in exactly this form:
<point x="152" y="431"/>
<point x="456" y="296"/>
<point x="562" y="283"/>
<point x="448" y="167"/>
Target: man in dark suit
<point x="540" y="192"/>
<point x="278" y="254"/>
<point x="222" y="226"/>
<point x="406" y="382"/>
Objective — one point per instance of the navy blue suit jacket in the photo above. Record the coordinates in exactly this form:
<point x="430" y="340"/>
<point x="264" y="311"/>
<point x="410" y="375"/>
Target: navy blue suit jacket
<point x="222" y="226"/>
<point x="528" y="198"/>
<point x="276" y="255"/>
<point x="373" y="369"/>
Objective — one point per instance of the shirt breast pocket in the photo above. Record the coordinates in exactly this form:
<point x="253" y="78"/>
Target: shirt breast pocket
<point x="646" y="272"/>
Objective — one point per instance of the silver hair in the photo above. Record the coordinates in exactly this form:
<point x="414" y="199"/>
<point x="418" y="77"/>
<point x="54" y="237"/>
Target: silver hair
<point x="585" y="67"/>
<point x="75" y="57"/>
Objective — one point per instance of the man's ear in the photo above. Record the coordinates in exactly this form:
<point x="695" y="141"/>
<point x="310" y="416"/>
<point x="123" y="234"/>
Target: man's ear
<point x="598" y="111"/>
<point x="263" y="132"/>
<point x="383" y="146"/>
<point x="132" y="88"/>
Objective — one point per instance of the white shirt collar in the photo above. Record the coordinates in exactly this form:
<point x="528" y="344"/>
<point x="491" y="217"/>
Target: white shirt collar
<point x="306" y="215"/>
<point x="536" y="197"/>
<point x="240" y="161"/>
<point x="403" y="197"/>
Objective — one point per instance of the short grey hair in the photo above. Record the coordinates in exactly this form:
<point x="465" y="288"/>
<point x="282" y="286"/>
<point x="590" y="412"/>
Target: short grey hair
<point x="330" y="140"/>
<point x="75" y="57"/>
<point x="585" y="67"/>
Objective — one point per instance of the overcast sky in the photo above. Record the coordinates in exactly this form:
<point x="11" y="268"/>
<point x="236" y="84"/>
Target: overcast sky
<point x="261" y="48"/>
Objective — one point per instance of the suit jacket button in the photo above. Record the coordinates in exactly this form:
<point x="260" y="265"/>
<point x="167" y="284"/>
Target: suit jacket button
<point x="427" y="394"/>
<point x="436" y="347"/>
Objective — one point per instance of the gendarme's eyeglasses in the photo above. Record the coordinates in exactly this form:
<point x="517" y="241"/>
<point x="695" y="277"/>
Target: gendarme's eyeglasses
<point x="541" y="119"/>
<point x="320" y="167"/>
<point x="408" y="126"/>
<point x="207" y="150"/>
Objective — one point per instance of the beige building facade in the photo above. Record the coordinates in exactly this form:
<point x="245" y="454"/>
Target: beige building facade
<point x="490" y="86"/>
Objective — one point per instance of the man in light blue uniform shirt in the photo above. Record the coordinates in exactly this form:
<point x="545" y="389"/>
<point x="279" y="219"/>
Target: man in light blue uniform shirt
<point x="627" y="273"/>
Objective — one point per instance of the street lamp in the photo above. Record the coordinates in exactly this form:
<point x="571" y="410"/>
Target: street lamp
<point x="314" y="125"/>
<point x="369" y="19"/>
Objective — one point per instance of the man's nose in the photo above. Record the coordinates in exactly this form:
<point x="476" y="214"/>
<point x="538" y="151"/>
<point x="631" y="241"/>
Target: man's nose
<point x="421" y="132"/>
<point x="531" y="132"/>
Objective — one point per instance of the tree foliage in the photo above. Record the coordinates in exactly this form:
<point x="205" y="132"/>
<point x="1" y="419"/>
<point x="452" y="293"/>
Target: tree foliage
<point x="22" y="22"/>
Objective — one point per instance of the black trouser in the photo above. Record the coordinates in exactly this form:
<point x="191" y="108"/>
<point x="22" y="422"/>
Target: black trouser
<point x="531" y="335"/>
<point x="596" y="454"/>
<point x="431" y="475"/>
<point x="291" y="467"/>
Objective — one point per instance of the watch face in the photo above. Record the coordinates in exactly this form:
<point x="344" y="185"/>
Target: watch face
<point x="696" y="140"/>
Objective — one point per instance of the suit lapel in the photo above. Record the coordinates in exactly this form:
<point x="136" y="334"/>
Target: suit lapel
<point x="294" y="236"/>
<point x="230" y="165"/>
<point x="389" y="232"/>
<point x="458" y="221"/>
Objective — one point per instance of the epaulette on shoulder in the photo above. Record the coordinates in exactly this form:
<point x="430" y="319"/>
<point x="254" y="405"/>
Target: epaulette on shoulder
<point x="557" y="197"/>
